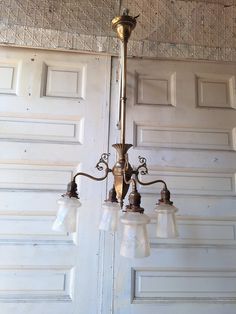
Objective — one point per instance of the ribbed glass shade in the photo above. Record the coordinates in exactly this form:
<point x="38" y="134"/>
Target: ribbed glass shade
<point x="166" y="221"/>
<point x="135" y="243"/>
<point x="109" y="220"/>
<point x="66" y="215"/>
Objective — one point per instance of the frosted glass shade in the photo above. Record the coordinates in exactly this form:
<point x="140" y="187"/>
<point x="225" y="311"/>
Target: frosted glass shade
<point x="135" y="243"/>
<point x="109" y="220"/>
<point x="166" y="221"/>
<point x="66" y="215"/>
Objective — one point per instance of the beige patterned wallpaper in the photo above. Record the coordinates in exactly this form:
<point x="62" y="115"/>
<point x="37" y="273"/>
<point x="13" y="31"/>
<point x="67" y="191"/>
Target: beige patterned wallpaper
<point x="166" y="28"/>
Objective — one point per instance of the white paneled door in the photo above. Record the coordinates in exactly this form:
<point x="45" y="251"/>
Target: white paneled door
<point x="54" y="117"/>
<point x="182" y="118"/>
<point x="53" y="121"/>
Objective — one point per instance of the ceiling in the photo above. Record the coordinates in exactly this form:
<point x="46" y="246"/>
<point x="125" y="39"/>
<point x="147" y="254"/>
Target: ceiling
<point x="166" y="28"/>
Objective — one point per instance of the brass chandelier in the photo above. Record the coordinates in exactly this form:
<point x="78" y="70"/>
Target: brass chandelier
<point x="135" y="242"/>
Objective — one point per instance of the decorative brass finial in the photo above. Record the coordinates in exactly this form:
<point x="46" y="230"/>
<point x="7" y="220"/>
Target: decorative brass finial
<point x="125" y="11"/>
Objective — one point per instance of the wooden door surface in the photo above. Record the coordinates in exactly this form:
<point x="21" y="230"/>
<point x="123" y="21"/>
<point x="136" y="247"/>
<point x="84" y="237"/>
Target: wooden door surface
<point x="53" y="113"/>
<point x="181" y="116"/>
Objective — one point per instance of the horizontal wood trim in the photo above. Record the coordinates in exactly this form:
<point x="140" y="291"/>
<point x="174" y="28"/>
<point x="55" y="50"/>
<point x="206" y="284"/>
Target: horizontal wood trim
<point x="194" y="285"/>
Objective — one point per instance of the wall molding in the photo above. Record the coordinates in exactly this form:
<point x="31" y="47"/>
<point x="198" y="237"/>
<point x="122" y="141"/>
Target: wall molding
<point x="9" y="76"/>
<point x="27" y="129"/>
<point x="215" y="91"/>
<point x="196" y="232"/>
<point x="64" y="80"/>
<point x="36" y="177"/>
<point x="28" y="229"/>
<point x="195" y="285"/>
<point x="192" y="181"/>
<point x="153" y="136"/>
<point x="36" y="284"/>
<point x="163" y="85"/>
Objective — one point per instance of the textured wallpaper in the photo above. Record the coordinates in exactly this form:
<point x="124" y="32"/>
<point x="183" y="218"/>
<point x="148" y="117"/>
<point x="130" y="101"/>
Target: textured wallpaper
<point x="166" y="28"/>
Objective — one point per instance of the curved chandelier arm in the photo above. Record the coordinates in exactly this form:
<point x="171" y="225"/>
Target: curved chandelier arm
<point x="101" y="165"/>
<point x="150" y="182"/>
<point x="92" y="177"/>
<point x="143" y="170"/>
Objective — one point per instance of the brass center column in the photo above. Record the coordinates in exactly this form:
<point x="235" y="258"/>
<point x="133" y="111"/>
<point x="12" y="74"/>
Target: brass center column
<point x="123" y="25"/>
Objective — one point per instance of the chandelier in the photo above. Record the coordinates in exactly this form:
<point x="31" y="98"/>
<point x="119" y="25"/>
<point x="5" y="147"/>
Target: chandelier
<point x="135" y="243"/>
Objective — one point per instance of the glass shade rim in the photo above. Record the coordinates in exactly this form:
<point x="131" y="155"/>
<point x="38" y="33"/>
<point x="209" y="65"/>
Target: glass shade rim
<point x="111" y="205"/>
<point x="165" y="208"/>
<point x="69" y="201"/>
<point x="134" y="218"/>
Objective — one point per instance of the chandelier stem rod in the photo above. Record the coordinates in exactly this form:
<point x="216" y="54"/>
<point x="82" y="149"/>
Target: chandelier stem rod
<point x="123" y="91"/>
